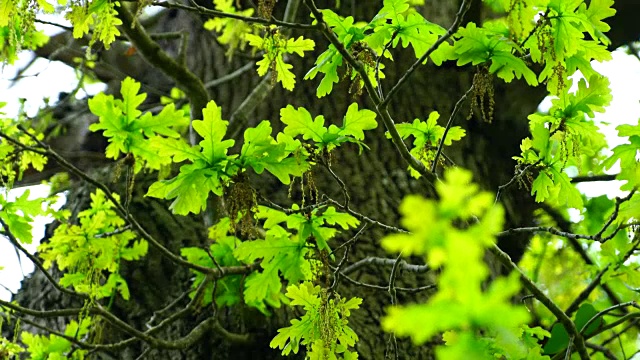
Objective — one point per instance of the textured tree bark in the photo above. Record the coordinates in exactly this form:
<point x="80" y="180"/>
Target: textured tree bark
<point x="377" y="180"/>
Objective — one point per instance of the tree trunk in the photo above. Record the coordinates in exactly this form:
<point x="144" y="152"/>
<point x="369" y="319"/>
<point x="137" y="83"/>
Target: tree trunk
<point x="377" y="180"/>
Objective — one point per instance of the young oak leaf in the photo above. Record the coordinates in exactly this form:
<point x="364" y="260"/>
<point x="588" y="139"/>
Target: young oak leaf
<point x="321" y="313"/>
<point x="478" y="45"/>
<point x="127" y="130"/>
<point x="131" y="99"/>
<point x="427" y="135"/>
<point x="507" y="66"/>
<point x="177" y="149"/>
<point x="112" y="121"/>
<point x="163" y="123"/>
<point x="299" y="46"/>
<point x="565" y="26"/>
<point x="283" y="169"/>
<point x="417" y="31"/>
<point x="279" y="255"/>
<point x="261" y="151"/>
<point x="541" y="187"/>
<point x="258" y="143"/>
<point x="332" y="217"/>
<point x="554" y="184"/>
<point x="589" y="99"/>
<point x="213" y="129"/>
<point x="397" y="17"/>
<point x="284" y="74"/>
<point x="429" y="132"/>
<point x="299" y="122"/>
<point x="598" y="10"/>
<point x="627" y="154"/>
<point x="355" y="121"/>
<point x="19" y="213"/>
<point x="6" y="9"/>
<point x="327" y="63"/>
<point x="191" y="187"/>
<point x="275" y="46"/>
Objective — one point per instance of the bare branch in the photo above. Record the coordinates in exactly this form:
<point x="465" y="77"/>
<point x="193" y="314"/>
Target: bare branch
<point x="589" y="178"/>
<point x="562" y="317"/>
<point x="385" y="262"/>
<point x="37" y="262"/>
<point x="221" y="14"/>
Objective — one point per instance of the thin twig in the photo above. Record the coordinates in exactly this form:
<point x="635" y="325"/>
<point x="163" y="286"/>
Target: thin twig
<point x="221" y="14"/>
<point x="228" y="77"/>
<point x="358" y="66"/>
<point x="362" y="217"/>
<point x="348" y="244"/>
<point x="464" y="7"/>
<point x="455" y="111"/>
<point x="14" y="241"/>
<point x="565" y="225"/>
<point x="350" y="241"/>
<point x="393" y="342"/>
<point x="122" y="212"/>
<point x="606" y="352"/>
<point x="596" y="280"/>
<point x="384" y="50"/>
<point x="605" y="311"/>
<point x="386" y="288"/>
<point x="343" y="186"/>
<point x="385" y="262"/>
<point x="548" y="229"/>
<point x="614" y="324"/>
<point x="614" y="215"/>
<point x="287" y="211"/>
<point x="518" y="175"/>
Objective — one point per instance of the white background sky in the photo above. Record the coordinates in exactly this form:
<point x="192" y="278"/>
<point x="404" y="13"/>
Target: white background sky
<point x="47" y="79"/>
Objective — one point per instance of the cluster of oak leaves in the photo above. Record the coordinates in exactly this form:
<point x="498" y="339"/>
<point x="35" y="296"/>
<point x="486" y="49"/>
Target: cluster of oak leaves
<point x="294" y="247"/>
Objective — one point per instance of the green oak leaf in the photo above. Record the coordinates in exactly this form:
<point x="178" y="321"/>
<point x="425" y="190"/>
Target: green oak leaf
<point x="299" y="122"/>
<point x="189" y="189"/>
<point x="213" y="129"/>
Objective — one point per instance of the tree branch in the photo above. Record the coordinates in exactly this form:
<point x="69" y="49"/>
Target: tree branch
<point x="464" y="7"/>
<point x="123" y="213"/>
<point x="452" y="117"/>
<point x="37" y="263"/>
<point x="551" y="230"/>
<point x="588" y="178"/>
<point x="378" y="261"/>
<point x="594" y="283"/>
<point x="562" y="317"/>
<point x="287" y="23"/>
<point x="382" y="111"/>
<point x="191" y="84"/>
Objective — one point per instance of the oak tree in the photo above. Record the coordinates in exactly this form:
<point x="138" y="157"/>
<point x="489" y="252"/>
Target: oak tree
<point x="323" y="180"/>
